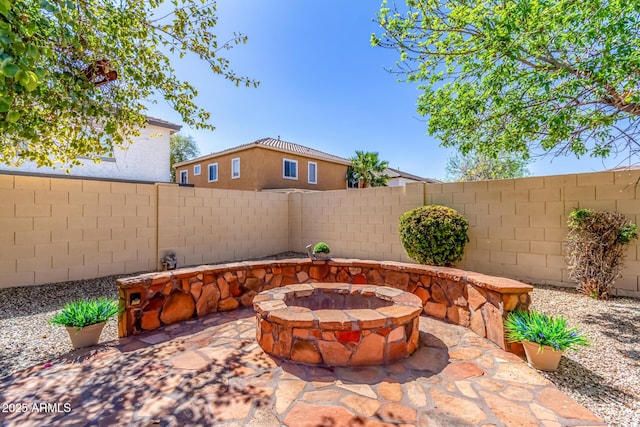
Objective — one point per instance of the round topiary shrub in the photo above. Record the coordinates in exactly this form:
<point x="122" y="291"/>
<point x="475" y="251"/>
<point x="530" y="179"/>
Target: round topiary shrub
<point x="434" y="235"/>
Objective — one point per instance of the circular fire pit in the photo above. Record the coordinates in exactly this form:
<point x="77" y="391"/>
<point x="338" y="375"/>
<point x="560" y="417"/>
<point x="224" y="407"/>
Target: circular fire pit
<point x="337" y="324"/>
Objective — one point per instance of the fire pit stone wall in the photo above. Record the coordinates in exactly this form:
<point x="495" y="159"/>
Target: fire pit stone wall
<point x="469" y="299"/>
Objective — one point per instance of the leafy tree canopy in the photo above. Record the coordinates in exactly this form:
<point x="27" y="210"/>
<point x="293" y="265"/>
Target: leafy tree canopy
<point x="475" y="166"/>
<point x="368" y="169"/>
<point x="183" y="147"/>
<point x="74" y="74"/>
<point x="556" y="76"/>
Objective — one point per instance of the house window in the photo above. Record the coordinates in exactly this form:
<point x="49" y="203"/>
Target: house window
<point x="184" y="177"/>
<point x="213" y="172"/>
<point x="313" y="173"/>
<point x="289" y="169"/>
<point x="196" y="170"/>
<point x="235" y="167"/>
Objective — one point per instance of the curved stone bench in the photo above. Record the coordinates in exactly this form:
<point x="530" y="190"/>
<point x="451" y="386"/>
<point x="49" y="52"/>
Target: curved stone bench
<point x="469" y="299"/>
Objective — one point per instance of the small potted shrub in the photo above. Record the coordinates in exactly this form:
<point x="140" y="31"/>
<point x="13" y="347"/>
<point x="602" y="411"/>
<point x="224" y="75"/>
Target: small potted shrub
<point x="543" y="337"/>
<point x="321" y="251"/>
<point x="84" y="319"/>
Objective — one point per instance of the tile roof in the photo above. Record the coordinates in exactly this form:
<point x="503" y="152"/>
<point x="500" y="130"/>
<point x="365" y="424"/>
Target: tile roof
<point x="275" y="144"/>
<point x="163" y="123"/>
<point x="397" y="173"/>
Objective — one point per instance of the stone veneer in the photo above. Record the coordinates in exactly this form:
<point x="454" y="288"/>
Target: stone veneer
<point x="337" y="324"/>
<point x="469" y="299"/>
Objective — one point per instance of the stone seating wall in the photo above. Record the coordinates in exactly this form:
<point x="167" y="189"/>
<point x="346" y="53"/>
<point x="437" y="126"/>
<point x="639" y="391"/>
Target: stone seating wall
<point x="469" y="299"/>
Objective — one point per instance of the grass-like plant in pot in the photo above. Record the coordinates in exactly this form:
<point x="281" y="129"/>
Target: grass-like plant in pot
<point x="543" y="337"/>
<point x="85" y="319"/>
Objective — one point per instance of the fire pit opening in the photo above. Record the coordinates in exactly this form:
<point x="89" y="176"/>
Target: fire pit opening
<point x="338" y="324"/>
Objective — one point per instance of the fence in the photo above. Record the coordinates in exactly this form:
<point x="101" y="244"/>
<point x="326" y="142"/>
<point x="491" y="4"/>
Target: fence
<point x="59" y="229"/>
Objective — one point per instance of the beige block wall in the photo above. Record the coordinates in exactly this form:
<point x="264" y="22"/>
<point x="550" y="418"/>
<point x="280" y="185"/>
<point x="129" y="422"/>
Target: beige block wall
<point x="518" y="226"/>
<point x="354" y="223"/>
<point x="58" y="229"/>
<point x="204" y="225"/>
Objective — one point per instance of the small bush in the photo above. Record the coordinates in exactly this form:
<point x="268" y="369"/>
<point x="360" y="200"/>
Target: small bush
<point x="595" y="249"/>
<point x="321" y="247"/>
<point x="434" y="235"/>
<point x="81" y="313"/>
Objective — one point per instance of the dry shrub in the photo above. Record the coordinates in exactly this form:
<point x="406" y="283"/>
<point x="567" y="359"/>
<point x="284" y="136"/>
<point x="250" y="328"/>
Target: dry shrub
<point x="595" y="249"/>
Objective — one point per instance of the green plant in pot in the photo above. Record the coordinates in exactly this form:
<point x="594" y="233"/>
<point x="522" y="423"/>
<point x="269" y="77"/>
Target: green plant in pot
<point x="543" y="337"/>
<point x="85" y="319"/>
<point x="321" y="250"/>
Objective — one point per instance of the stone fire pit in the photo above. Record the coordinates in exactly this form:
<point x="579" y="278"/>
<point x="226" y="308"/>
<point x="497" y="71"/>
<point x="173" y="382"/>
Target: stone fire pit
<point x="337" y="324"/>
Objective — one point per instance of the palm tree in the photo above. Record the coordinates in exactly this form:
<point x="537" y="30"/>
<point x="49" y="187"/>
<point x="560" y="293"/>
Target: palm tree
<point x="368" y="169"/>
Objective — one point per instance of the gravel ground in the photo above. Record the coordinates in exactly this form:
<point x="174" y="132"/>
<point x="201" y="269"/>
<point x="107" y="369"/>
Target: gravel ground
<point x="604" y="377"/>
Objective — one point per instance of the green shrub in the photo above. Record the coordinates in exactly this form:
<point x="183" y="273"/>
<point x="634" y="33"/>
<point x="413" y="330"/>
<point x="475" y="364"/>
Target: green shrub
<point x="434" y="235"/>
<point x="321" y="247"/>
<point x="595" y="249"/>
<point x="542" y="329"/>
<point x="81" y="313"/>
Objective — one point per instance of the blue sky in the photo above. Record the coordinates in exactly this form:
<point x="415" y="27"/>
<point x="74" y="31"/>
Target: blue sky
<point x="322" y="85"/>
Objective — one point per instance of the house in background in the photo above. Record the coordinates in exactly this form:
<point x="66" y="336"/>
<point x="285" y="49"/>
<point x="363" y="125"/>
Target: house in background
<point x="266" y="164"/>
<point x="145" y="159"/>
<point x="398" y="178"/>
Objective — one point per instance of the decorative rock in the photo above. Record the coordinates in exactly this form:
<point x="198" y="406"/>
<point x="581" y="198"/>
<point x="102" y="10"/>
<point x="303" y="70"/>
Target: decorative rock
<point x="458" y="315"/>
<point x="208" y="301"/>
<point x="224" y="288"/>
<point x="477" y="324"/>
<point x="228" y="304"/>
<point x="462" y="371"/>
<point x="397" y="280"/>
<point x="334" y="353"/>
<point x="370" y="351"/>
<point x="302" y="276"/>
<point x="305" y="352"/>
<point x="150" y="321"/>
<point x="494" y="324"/>
<point x="475" y="297"/>
<point x="435" y="309"/>
<point x="423" y="294"/>
<point x="463" y="409"/>
<point x="177" y="307"/>
<point x="438" y="294"/>
<point x="196" y="290"/>
<point x="253" y="284"/>
<point x="247" y="299"/>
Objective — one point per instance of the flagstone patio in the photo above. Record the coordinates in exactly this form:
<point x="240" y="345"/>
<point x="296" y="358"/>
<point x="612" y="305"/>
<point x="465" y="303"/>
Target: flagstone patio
<point x="211" y="371"/>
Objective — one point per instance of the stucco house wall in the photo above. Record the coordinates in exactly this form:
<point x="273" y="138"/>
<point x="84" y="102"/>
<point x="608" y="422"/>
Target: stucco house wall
<point x="145" y="159"/>
<point x="262" y="169"/>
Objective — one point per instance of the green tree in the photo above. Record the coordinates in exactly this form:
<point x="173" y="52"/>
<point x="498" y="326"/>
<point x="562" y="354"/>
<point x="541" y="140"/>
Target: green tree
<point x="75" y="73"/>
<point x="368" y="169"/>
<point x="475" y="166"/>
<point x="183" y="147"/>
<point x="557" y="76"/>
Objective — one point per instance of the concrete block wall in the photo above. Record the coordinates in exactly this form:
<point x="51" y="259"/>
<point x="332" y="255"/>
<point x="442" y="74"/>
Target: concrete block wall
<point x="518" y="226"/>
<point x="204" y="225"/>
<point x="354" y="223"/>
<point x="58" y="229"/>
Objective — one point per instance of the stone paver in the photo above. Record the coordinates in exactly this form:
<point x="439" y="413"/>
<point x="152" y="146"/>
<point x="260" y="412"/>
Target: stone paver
<point x="212" y="371"/>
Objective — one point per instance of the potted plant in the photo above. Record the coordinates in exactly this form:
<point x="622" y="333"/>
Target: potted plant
<point x="320" y="251"/>
<point x="84" y="319"/>
<point x="543" y="337"/>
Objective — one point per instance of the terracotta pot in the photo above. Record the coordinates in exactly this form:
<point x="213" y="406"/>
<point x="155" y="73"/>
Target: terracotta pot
<point x="545" y="359"/>
<point x="87" y="336"/>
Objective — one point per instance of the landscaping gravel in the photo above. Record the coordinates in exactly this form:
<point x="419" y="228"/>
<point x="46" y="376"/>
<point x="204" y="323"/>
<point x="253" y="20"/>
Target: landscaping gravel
<point x="604" y="377"/>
